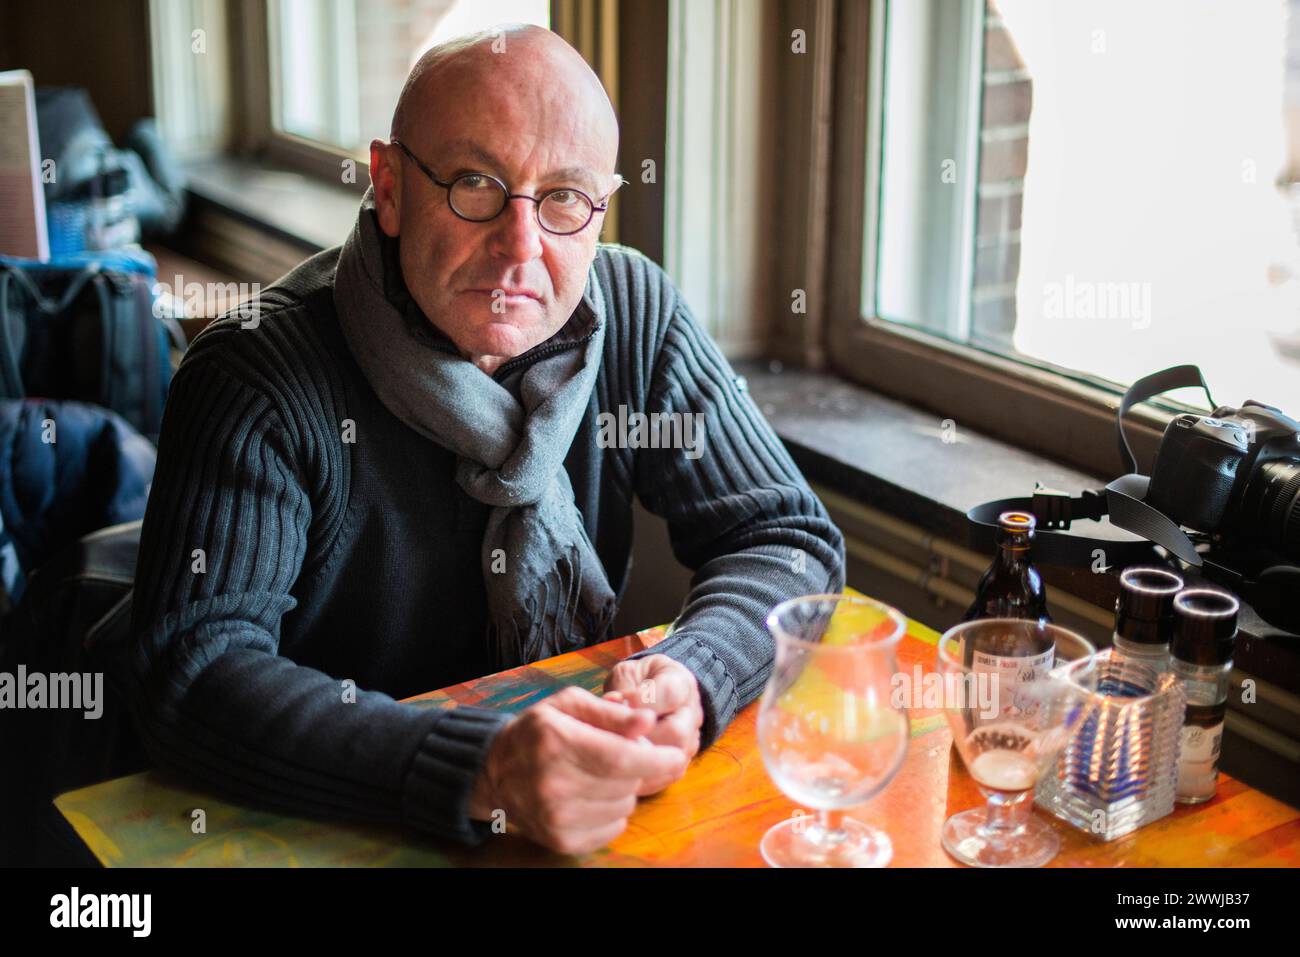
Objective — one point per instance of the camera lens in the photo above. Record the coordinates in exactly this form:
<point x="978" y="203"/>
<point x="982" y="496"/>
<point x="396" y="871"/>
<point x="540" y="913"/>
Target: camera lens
<point x="1271" y="506"/>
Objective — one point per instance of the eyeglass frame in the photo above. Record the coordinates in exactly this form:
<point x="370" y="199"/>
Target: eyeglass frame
<point x="537" y="200"/>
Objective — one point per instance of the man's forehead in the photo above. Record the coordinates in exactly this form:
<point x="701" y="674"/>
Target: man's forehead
<point x="466" y="149"/>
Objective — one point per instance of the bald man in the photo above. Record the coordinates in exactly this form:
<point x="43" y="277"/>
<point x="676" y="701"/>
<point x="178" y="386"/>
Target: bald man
<point x="416" y="465"/>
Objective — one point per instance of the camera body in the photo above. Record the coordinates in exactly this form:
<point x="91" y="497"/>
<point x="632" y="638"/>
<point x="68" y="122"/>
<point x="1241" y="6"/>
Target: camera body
<point x="1234" y="475"/>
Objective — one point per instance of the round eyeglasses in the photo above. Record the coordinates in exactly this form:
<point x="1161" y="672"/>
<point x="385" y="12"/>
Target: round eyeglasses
<point x="479" y="197"/>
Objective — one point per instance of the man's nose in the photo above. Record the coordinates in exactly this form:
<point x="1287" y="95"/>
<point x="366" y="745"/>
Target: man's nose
<point x="516" y="234"/>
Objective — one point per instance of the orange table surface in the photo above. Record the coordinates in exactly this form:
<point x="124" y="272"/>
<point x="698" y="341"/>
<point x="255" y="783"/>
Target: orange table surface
<point x="714" y="816"/>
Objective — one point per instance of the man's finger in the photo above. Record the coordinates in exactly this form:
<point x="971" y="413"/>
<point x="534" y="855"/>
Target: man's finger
<point x="626" y="679"/>
<point x="602" y="788"/>
<point x="673" y="688"/>
<point x="612" y="716"/>
<point x="604" y="754"/>
<point x="584" y="814"/>
<point x="648" y="787"/>
<point x="584" y="842"/>
<point x="680" y="729"/>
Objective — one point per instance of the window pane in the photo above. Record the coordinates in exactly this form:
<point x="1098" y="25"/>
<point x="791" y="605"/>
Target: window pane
<point x="338" y="65"/>
<point x="1135" y="199"/>
<point x="929" y="124"/>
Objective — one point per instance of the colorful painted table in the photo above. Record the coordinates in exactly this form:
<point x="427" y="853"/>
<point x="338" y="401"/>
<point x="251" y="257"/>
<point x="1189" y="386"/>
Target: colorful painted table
<point x="713" y="817"/>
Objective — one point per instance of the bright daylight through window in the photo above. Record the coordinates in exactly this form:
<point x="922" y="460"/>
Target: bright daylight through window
<point x="1135" y="203"/>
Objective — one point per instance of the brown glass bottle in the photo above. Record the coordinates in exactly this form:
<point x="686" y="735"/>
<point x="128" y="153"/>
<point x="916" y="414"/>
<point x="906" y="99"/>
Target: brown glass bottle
<point x="1012" y="588"/>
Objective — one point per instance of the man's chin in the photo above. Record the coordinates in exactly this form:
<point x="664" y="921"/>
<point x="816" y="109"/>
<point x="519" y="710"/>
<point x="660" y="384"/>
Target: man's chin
<point x="504" y="328"/>
<point x="500" y="336"/>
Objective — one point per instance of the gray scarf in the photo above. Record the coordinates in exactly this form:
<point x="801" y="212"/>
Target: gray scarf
<point x="546" y="588"/>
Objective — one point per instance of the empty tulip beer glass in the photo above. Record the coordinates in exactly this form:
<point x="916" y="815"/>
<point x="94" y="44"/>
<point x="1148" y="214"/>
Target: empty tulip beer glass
<point x="829" y="734"/>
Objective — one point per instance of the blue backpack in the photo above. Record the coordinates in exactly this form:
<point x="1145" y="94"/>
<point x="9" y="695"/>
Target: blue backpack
<point x="66" y="469"/>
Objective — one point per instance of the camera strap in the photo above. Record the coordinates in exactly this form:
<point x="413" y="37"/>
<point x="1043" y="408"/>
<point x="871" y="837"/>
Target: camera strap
<point x="1122" y="501"/>
<point x="1126" y="496"/>
<point x="1148" y="387"/>
<point x="1054" y="543"/>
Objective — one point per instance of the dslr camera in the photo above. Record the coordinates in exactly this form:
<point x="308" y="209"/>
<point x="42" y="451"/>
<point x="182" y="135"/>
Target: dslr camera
<point x="1233" y="475"/>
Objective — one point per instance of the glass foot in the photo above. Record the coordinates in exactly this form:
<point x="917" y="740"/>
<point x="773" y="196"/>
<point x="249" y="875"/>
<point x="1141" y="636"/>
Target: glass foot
<point x="811" y="845"/>
<point x="966" y="837"/>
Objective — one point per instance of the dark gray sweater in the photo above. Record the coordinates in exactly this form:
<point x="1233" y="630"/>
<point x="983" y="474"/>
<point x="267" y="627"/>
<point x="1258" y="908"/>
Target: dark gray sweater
<point x="300" y="537"/>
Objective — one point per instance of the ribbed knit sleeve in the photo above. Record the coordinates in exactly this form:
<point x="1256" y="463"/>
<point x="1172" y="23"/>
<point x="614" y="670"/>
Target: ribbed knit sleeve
<point x="228" y="526"/>
<point x="739" y="514"/>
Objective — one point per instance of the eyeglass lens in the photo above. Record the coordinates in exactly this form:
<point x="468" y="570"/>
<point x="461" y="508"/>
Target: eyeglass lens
<point x="481" y="198"/>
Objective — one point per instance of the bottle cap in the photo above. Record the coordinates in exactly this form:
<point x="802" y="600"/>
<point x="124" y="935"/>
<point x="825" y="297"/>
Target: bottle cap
<point x="1205" y="626"/>
<point x="1144" y="610"/>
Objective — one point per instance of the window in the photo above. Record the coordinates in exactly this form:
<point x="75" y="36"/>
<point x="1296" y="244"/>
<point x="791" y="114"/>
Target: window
<point x="273" y="103"/>
<point x="1102" y="188"/>
<point x="1036" y="203"/>
<point x="301" y="83"/>
<point x="337" y="66"/>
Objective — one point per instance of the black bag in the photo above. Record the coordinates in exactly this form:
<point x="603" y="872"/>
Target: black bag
<point x="75" y="615"/>
<point x="84" y="327"/>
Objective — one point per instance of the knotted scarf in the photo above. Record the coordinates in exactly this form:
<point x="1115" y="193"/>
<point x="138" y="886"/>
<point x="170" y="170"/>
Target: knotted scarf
<point x="546" y="587"/>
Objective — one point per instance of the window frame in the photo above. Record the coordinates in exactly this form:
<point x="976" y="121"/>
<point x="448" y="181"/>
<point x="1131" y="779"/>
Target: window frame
<point x="1059" y="412"/>
<point x="590" y="25"/>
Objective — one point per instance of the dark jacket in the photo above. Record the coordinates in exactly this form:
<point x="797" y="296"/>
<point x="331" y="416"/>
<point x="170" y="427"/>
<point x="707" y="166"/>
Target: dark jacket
<point x="66" y="469"/>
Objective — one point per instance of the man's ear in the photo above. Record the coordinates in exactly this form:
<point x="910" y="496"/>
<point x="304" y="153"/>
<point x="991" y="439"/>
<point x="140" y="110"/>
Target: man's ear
<point x="386" y="178"/>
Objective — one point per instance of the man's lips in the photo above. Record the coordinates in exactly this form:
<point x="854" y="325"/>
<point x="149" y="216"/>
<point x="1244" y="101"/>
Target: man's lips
<point x="508" y="295"/>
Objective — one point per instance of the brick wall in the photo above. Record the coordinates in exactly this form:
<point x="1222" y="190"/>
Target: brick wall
<point x="1292" y="95"/>
<point x="389" y="32"/>
<point x="1004" y="156"/>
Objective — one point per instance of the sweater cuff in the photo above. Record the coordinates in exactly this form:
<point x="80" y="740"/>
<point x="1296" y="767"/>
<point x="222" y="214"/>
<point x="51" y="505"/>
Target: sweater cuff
<point x="717" y="687"/>
<point x="441" y="779"/>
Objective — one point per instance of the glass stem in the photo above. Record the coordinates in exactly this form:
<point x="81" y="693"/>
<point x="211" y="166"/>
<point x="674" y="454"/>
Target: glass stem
<point x="829" y="824"/>
<point x="1006" y="815"/>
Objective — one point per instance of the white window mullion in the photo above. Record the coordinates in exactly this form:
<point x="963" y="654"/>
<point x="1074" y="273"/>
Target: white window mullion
<point x="927" y="110"/>
<point x="714" y="196"/>
<point x="188" y="60"/>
